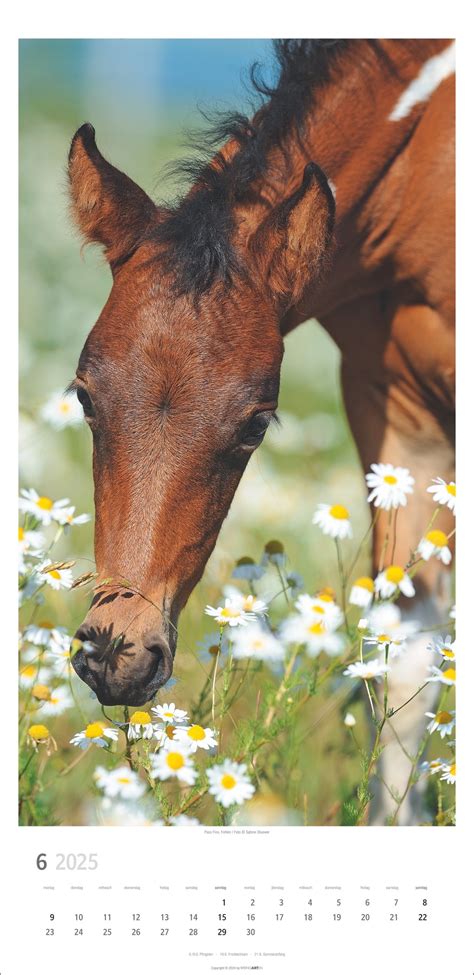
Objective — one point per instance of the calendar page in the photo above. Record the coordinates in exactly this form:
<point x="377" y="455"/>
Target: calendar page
<point x="237" y="710"/>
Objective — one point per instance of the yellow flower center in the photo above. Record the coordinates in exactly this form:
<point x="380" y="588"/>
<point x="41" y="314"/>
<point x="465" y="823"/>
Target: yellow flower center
<point x="140" y="717"/>
<point x="196" y="732"/>
<point x="28" y="671"/>
<point x="258" y="645"/>
<point x="451" y="489"/>
<point x="249" y="603"/>
<point x="44" y="503"/>
<point x="339" y="512"/>
<point x="443" y="717"/>
<point x="450" y="673"/>
<point x="41" y="692"/>
<point x="21" y="533"/>
<point x="46" y="625"/>
<point x="64" y="406"/>
<point x="316" y="628"/>
<point x="390" y="479"/>
<point x="228" y="613"/>
<point x="383" y="638"/>
<point x="175" y="760"/>
<point x="327" y="595"/>
<point x="53" y="573"/>
<point x="318" y="609"/>
<point x="394" y="573"/>
<point x="228" y="781"/>
<point x="437" y="538"/>
<point x="123" y="780"/>
<point x="452" y="768"/>
<point x="365" y="582"/>
<point x="447" y="652"/>
<point x="39" y="732"/>
<point x="94" y="730"/>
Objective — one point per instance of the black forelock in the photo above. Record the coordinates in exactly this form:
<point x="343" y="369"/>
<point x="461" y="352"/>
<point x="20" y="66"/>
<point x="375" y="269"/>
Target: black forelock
<point x="197" y="230"/>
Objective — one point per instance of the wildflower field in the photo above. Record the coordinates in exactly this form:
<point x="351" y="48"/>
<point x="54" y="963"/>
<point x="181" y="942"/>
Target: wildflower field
<point x="286" y="650"/>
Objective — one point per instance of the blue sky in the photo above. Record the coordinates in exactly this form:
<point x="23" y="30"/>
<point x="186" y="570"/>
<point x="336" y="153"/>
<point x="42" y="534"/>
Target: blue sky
<point x="162" y="71"/>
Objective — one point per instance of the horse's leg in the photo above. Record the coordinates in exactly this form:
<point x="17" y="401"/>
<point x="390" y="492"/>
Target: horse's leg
<point x="397" y="382"/>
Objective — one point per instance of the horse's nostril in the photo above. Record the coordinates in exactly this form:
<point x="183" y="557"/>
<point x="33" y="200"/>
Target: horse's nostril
<point x="155" y="643"/>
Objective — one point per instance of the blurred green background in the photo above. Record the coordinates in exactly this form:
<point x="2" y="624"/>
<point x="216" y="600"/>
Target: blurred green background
<point x="140" y="96"/>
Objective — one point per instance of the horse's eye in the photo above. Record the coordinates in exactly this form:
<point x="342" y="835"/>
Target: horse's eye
<point x="255" y="430"/>
<point x="85" y="401"/>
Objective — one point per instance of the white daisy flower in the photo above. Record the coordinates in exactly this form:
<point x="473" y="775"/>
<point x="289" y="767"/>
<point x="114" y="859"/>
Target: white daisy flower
<point x="229" y="783"/>
<point x="390" y="485"/>
<point x="140" y="726"/>
<point x="60" y="660"/>
<point x="59" y="700"/>
<point x="362" y="592"/>
<point x="248" y="603"/>
<point x="349" y="720"/>
<point x="96" y="733"/>
<point x="443" y="493"/>
<point x="231" y="614"/>
<point x="121" y="782"/>
<point x="196" y="737"/>
<point x="442" y="721"/>
<point x="438" y="676"/>
<point x="396" y="645"/>
<point x="449" y="773"/>
<point x="433" y="767"/>
<point x="435" y="543"/>
<point x="387" y="618"/>
<point x="444" y="645"/>
<point x="367" y="670"/>
<point x="333" y="520"/>
<point x="56" y="578"/>
<point x="112" y="813"/>
<point x="44" y="509"/>
<point x="174" y="763"/>
<point x="66" y="516"/>
<point x="183" y="820"/>
<point x="313" y="634"/>
<point x="391" y="579"/>
<point x="165" y="735"/>
<point x="44" y="634"/>
<point x="30" y="544"/>
<point x="256" y="643"/>
<point x="62" y="410"/>
<point x="320" y="608"/>
<point x="169" y="713"/>
<point x="30" y="674"/>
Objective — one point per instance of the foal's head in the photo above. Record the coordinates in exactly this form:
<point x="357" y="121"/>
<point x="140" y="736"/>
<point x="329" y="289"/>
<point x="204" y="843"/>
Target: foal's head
<point x="178" y="391"/>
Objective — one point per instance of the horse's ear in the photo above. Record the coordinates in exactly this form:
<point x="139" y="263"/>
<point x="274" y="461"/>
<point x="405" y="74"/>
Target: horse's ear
<point x="108" y="207"/>
<point x="291" y="245"/>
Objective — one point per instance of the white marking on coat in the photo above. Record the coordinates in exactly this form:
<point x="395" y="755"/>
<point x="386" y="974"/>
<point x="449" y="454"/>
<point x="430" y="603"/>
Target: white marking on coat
<point x="430" y="76"/>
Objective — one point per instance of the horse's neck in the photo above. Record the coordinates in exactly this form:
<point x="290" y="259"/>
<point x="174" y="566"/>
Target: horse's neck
<point x="361" y="123"/>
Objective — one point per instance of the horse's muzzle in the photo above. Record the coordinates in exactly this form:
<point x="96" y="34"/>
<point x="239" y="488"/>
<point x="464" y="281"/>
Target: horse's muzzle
<point x="124" y="674"/>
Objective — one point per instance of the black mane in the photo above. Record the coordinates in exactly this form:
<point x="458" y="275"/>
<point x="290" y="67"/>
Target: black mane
<point x="197" y="231"/>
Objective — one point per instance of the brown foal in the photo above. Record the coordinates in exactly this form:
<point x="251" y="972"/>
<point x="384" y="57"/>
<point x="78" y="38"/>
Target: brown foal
<point x="335" y="202"/>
